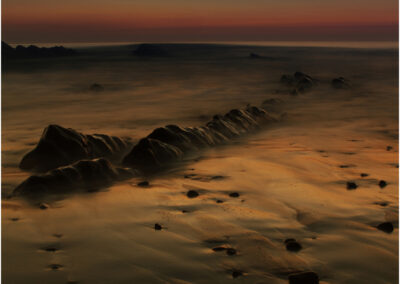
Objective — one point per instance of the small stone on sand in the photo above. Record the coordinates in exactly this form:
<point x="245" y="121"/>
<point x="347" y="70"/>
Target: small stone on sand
<point x="15" y="219"/>
<point x="157" y="227"/>
<point x="308" y="277"/>
<point x="234" y="194"/>
<point x="386" y="227"/>
<point x="389" y="148"/>
<point x="43" y="206"/>
<point x="236" y="273"/>
<point x="230" y="251"/>
<point x="382" y="183"/>
<point x="219" y="249"/>
<point x="220" y="201"/>
<point x="55" y="266"/>
<point x="351" y="185"/>
<point x="58" y="235"/>
<point x="192" y="194"/>
<point x="293" y="246"/>
<point x="364" y="175"/>
<point x="143" y="183"/>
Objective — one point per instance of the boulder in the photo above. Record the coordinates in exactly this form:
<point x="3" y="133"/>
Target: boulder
<point x="59" y="146"/>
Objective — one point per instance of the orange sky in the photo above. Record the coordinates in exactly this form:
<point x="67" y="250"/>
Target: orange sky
<point x="181" y="20"/>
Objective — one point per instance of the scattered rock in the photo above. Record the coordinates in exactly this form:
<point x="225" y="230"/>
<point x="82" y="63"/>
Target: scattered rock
<point x="289" y="240"/>
<point x="389" y="148"/>
<point x="308" y="277"/>
<point x="14" y="219"/>
<point x="220" y="201"/>
<point x="236" y="273"/>
<point x="293" y="245"/>
<point x="234" y="194"/>
<point x="43" y="206"/>
<point x="96" y="88"/>
<point x="254" y="55"/>
<point x="382" y="203"/>
<point x="351" y="185"/>
<point x="50" y="249"/>
<point x="143" y="184"/>
<point x="386" y="227"/>
<point x="364" y="174"/>
<point x="217" y="177"/>
<point x="55" y="266"/>
<point x="192" y="194"/>
<point x="58" y="236"/>
<point x="340" y="83"/>
<point x="217" y="249"/>
<point x="230" y="251"/>
<point x="157" y="227"/>
<point x="382" y="183"/>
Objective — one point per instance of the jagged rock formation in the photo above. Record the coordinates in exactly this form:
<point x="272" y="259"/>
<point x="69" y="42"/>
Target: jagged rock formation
<point x="340" y="83"/>
<point x="33" y="51"/>
<point x="299" y="81"/>
<point x="87" y="175"/>
<point x="61" y="146"/>
<point x="159" y="150"/>
<point x="170" y="144"/>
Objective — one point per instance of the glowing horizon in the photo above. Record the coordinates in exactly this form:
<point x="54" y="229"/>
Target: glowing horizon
<point x="155" y="20"/>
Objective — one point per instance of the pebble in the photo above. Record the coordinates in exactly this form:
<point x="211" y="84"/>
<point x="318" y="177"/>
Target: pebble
<point x="386" y="227"/>
<point x="293" y="245"/>
<point x="192" y="194"/>
<point x="157" y="227"/>
<point x="382" y="183"/>
<point x="143" y="183"/>
<point x="364" y="175"/>
<point x="234" y="194"/>
<point x="351" y="185"/>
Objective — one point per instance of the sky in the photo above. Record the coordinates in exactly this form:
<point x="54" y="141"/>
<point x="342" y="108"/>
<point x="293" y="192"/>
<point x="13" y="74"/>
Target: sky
<point x="28" y="21"/>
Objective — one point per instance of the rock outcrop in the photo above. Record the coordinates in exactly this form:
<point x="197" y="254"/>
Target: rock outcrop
<point x="299" y="81"/>
<point x="160" y="149"/>
<point x="85" y="175"/>
<point x="170" y="144"/>
<point x="61" y="146"/>
<point x="340" y="83"/>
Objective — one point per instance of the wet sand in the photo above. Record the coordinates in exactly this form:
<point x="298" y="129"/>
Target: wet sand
<point x="290" y="178"/>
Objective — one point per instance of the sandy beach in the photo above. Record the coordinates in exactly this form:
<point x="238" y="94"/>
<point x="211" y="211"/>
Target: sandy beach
<point x="290" y="180"/>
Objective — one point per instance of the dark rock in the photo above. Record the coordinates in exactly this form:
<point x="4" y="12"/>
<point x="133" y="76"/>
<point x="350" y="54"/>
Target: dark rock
<point x="50" y="249"/>
<point x="386" y="227"/>
<point x="143" y="184"/>
<point x="170" y="144"/>
<point x="230" y="251"/>
<point x="157" y="227"/>
<point x="389" y="148"/>
<point x="96" y="88"/>
<point x="58" y="236"/>
<point x="14" y="219"/>
<point x="351" y="185"/>
<point x="192" y="194"/>
<point x="33" y="51"/>
<point x="216" y="249"/>
<point x="55" y="266"/>
<point x="340" y="83"/>
<point x="293" y="246"/>
<point x="234" y="194"/>
<point x="364" y="175"/>
<point x="236" y="273"/>
<point x="220" y="201"/>
<point x="300" y="81"/>
<point x="382" y="183"/>
<point x="86" y="175"/>
<point x="254" y="55"/>
<point x="383" y="203"/>
<point x="43" y="206"/>
<point x="308" y="277"/>
<point x="61" y="146"/>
